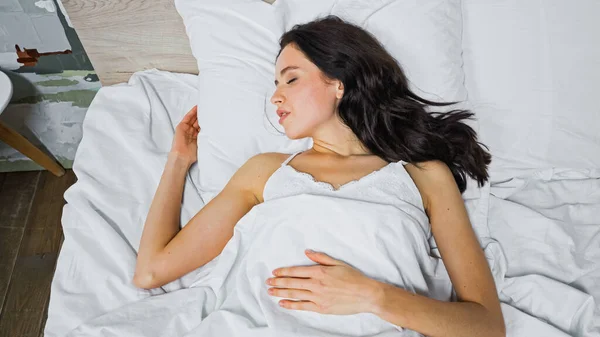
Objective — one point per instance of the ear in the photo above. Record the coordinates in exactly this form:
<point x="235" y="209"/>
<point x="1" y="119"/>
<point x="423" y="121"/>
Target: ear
<point x="339" y="92"/>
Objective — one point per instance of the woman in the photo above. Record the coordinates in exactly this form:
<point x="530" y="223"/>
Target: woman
<point x="339" y="86"/>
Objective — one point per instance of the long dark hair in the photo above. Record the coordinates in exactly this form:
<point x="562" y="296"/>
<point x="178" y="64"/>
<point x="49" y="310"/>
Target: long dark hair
<point x="387" y="117"/>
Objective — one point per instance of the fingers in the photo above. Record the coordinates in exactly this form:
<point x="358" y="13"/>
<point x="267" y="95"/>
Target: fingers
<point x="191" y="115"/>
<point x="297" y="294"/>
<point x="322" y="258"/>
<point x="300" y="305"/>
<point x="299" y="271"/>
<point x="191" y="120"/>
<point x="292" y="282"/>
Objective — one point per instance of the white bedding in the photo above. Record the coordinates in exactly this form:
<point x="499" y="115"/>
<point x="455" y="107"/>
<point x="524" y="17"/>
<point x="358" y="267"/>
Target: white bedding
<point x="386" y="242"/>
<point x="547" y="224"/>
<point x="127" y="133"/>
<point x="533" y="66"/>
<point x="541" y="232"/>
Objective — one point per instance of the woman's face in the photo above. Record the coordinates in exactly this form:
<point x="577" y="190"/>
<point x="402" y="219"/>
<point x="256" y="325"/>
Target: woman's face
<point x="303" y="92"/>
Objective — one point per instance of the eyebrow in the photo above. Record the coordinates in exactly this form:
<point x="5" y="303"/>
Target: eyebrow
<point x="284" y="70"/>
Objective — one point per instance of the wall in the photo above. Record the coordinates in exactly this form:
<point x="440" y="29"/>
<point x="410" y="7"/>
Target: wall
<point x="53" y="79"/>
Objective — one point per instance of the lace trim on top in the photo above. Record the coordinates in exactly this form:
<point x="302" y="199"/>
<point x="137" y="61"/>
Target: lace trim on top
<point x="329" y="186"/>
<point x="391" y="184"/>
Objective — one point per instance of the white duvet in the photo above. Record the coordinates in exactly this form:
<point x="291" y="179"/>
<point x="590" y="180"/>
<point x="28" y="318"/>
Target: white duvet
<point x="385" y="242"/>
<point x="540" y="232"/>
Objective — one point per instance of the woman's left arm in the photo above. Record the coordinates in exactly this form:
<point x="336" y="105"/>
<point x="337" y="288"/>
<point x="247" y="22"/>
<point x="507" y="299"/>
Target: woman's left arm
<point x="477" y="312"/>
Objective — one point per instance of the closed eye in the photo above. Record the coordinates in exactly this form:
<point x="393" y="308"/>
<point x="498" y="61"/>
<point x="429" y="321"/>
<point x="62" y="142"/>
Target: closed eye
<point x="292" y="80"/>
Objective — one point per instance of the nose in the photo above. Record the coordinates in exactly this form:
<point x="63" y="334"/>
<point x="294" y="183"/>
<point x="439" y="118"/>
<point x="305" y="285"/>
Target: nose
<point x="277" y="98"/>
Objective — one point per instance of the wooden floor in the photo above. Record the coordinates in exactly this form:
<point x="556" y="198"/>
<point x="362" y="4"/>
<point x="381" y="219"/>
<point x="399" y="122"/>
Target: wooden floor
<point x="31" y="205"/>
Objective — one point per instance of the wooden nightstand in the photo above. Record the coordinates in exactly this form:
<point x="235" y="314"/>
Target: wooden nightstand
<point x="17" y="141"/>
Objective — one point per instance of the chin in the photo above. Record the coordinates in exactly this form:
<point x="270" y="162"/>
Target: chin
<point x="292" y="134"/>
<point x="297" y="131"/>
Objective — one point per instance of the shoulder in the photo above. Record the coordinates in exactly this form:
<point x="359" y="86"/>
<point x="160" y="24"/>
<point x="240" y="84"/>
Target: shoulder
<point x="430" y="171"/>
<point x="267" y="158"/>
<point x="257" y="170"/>
<point x="432" y="179"/>
<point x="263" y="164"/>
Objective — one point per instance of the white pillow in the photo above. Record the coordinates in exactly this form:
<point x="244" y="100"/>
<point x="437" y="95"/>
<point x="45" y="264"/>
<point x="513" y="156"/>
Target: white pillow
<point x="236" y="43"/>
<point x="424" y="36"/>
<point x="532" y="72"/>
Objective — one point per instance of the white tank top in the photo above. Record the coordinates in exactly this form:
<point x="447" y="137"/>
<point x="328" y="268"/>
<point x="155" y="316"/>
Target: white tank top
<point x="389" y="185"/>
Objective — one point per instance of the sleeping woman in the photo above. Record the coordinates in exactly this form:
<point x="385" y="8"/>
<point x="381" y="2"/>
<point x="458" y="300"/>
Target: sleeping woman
<point x="335" y="240"/>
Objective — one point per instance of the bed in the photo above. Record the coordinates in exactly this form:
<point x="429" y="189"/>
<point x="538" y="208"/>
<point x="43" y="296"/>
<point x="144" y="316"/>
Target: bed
<point x="537" y="219"/>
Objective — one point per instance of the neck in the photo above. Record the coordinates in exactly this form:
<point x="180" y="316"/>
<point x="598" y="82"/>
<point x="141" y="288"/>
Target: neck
<point x="337" y="139"/>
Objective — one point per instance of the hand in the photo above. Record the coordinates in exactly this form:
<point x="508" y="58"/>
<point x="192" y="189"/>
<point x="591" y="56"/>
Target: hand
<point x="331" y="287"/>
<point x="186" y="135"/>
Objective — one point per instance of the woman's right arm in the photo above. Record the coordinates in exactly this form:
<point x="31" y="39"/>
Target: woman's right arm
<point x="166" y="257"/>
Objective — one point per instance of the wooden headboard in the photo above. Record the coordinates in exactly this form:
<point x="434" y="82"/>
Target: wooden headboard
<point x="124" y="36"/>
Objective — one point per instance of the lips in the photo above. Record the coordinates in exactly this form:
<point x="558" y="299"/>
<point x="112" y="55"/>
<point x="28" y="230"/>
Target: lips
<point x="283" y="117"/>
<point x="282" y="114"/>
